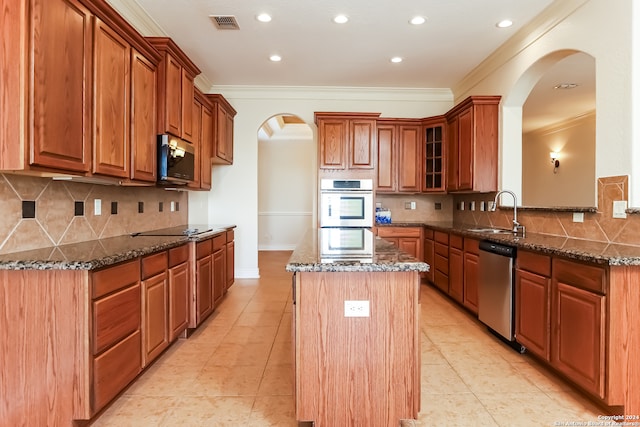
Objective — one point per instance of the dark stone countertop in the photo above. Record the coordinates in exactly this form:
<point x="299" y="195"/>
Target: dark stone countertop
<point x="386" y="257"/>
<point x="591" y="251"/>
<point x="100" y="253"/>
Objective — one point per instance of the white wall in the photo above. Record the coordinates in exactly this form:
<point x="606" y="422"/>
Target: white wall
<point x="601" y="28"/>
<point x="234" y="194"/>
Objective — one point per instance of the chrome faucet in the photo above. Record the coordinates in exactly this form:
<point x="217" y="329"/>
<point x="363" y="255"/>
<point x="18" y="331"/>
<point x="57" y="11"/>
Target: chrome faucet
<point x="518" y="229"/>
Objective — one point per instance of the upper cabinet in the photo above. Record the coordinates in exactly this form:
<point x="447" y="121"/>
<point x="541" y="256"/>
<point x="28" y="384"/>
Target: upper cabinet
<point x="223" y="118"/>
<point x="82" y="115"/>
<point x="346" y="140"/>
<point x="399" y="148"/>
<point x="434" y="170"/>
<point x="472" y="133"/>
<point x="202" y="141"/>
<point x="176" y="73"/>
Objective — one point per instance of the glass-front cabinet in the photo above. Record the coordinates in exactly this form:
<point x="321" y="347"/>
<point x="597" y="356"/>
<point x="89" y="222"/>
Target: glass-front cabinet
<point x="434" y="155"/>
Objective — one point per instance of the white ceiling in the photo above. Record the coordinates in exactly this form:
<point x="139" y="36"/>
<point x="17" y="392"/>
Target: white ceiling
<point x="315" y="51"/>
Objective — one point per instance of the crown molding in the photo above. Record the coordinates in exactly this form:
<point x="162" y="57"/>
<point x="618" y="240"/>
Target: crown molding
<point x="137" y="17"/>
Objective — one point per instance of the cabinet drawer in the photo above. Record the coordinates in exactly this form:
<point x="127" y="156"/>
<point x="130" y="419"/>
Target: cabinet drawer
<point x="114" y="369"/>
<point x="115" y="316"/>
<point x="534" y="262"/>
<point x="471" y="246"/>
<point x="154" y="264"/>
<point x="178" y="255"/>
<point x="203" y="248"/>
<point x="219" y="241"/>
<point x="428" y="233"/>
<point x="589" y="277"/>
<point x="456" y="241"/>
<point x="442" y="249"/>
<point x="441" y="264"/>
<point x="398" y="232"/>
<point x="441" y="237"/>
<point x="230" y="236"/>
<point x="113" y="278"/>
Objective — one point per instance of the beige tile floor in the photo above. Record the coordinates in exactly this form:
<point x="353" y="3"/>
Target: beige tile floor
<point x="235" y="369"/>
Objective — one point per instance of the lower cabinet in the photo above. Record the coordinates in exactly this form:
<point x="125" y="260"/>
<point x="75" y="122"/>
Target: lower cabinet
<point x="471" y="274"/>
<point x="407" y="239"/>
<point x="219" y="259"/>
<point x="231" y="257"/>
<point x="429" y="254"/>
<point x="441" y="261"/>
<point x="178" y="291"/>
<point x="456" y="265"/>
<point x="203" y="280"/>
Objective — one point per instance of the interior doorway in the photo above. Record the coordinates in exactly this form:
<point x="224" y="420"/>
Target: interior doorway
<point x="286" y="181"/>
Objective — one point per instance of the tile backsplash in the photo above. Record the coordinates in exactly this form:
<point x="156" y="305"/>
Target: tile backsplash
<point x="40" y="212"/>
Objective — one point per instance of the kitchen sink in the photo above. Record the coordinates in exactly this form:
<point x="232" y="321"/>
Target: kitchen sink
<point x="490" y="230"/>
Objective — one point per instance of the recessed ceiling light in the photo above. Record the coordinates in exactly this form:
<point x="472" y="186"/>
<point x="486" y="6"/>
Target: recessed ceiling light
<point x="264" y="17"/>
<point x="341" y="19"/>
<point x="275" y="58"/>
<point x="504" y="23"/>
<point x="396" y="59"/>
<point x="566" y="86"/>
<point x="417" y="20"/>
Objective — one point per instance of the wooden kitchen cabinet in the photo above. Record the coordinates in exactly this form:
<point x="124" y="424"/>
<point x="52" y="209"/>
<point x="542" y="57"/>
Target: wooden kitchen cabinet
<point x="346" y="141"/>
<point x="399" y="156"/>
<point x="117" y="342"/>
<point x="195" y="184"/>
<point x="223" y="115"/>
<point x="429" y="254"/>
<point x="471" y="274"/>
<point x="178" y="291"/>
<point x="206" y="145"/>
<point x="456" y="267"/>
<point x="219" y="259"/>
<point x="434" y="170"/>
<point x="533" y="303"/>
<point x="578" y="323"/>
<point x="155" y="306"/>
<point x="203" y="282"/>
<point x="472" y="132"/>
<point x="407" y="239"/>
<point x="176" y="74"/>
<point x="441" y="261"/>
<point x="143" y="129"/>
<point x="231" y="256"/>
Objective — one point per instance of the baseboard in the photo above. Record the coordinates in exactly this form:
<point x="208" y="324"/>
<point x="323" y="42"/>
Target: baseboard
<point x="247" y="273"/>
<point x="283" y="247"/>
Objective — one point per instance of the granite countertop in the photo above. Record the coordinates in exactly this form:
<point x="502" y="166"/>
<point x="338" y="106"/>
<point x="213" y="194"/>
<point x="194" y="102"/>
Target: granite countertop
<point x="592" y="251"/>
<point x="100" y="253"/>
<point x="386" y="257"/>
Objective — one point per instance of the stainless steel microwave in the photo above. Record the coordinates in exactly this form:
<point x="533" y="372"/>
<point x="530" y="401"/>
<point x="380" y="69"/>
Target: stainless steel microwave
<point x="176" y="160"/>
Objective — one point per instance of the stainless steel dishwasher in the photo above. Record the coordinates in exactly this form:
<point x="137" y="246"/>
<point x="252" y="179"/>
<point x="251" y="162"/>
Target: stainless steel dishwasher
<point x="496" y="290"/>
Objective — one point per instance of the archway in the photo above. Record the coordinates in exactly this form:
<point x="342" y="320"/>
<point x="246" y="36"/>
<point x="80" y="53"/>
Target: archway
<point x="286" y="181"/>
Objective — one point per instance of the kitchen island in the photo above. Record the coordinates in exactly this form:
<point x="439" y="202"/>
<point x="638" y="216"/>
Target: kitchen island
<point x="356" y="334"/>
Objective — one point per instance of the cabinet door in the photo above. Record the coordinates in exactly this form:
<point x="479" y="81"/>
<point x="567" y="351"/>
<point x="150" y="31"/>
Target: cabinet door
<point x="155" y="326"/>
<point x="456" y="278"/>
<point x="465" y="149"/>
<point x="143" y="119"/>
<point x="471" y="275"/>
<point x="387" y="161"/>
<point x="452" y="154"/>
<point x="434" y="159"/>
<point x="429" y="258"/>
<point x="231" y="263"/>
<point x="410" y="245"/>
<point x="206" y="147"/>
<point x="204" y="297"/>
<point x="228" y="136"/>
<point x="173" y="96"/>
<point x="333" y="134"/>
<point x="178" y="300"/>
<point x="409" y="158"/>
<point x="112" y="56"/>
<point x="187" y="88"/>
<point x="361" y="144"/>
<point x="60" y="85"/>
<point x="578" y="340"/>
<point x="532" y="312"/>
<point x="219" y="275"/>
<point x="196" y="117"/>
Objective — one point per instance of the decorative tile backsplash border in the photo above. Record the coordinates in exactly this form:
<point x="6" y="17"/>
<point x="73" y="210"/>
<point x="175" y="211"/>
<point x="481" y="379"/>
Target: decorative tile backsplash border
<point x="598" y="226"/>
<point x="40" y="212"/>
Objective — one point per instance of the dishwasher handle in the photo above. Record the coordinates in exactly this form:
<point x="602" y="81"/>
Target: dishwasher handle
<point x="497" y="248"/>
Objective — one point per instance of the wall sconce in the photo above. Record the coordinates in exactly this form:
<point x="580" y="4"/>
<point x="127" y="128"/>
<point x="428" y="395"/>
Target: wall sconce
<point x="554" y="160"/>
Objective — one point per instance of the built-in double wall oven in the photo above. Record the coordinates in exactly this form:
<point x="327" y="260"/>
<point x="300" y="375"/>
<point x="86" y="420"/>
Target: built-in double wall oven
<point x="346" y="203"/>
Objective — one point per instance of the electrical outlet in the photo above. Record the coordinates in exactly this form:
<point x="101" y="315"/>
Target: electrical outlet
<point x="483" y="206"/>
<point x="97" y="207"/>
<point x="407" y="205"/>
<point x="472" y="206"/>
<point x="173" y="206"/>
<point x="356" y="308"/>
<point x="461" y="206"/>
<point x="578" y="217"/>
<point x="413" y="205"/>
<point x="619" y="208"/>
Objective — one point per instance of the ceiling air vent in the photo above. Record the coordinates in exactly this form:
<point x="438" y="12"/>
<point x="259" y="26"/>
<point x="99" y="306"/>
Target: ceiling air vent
<point x="225" y="22"/>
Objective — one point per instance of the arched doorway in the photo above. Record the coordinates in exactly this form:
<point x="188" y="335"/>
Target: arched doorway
<point x="286" y="181"/>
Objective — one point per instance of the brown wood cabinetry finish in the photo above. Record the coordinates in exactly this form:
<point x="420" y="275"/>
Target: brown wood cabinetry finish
<point x="152" y="265"/>
<point x="473" y="145"/>
<point x="471" y="274"/>
<point x="204" y="283"/>
<point x="113" y="278"/>
<point x="533" y="312"/>
<point x="361" y="144"/>
<point x="178" y="299"/>
<point x="143" y="119"/>
<point x="223" y="118"/>
<point x="112" y="61"/>
<point x="60" y="85"/>
<point x="155" y="319"/>
<point x="173" y="96"/>
<point x="196" y="117"/>
<point x="398" y="156"/>
<point x="219" y="259"/>
<point x="434" y="155"/>
<point x="347" y="368"/>
<point x="429" y="255"/>
<point x="188" y="128"/>
<point x="206" y="147"/>
<point x="114" y="317"/>
<point x="332" y="136"/>
<point x="407" y="239"/>
<point x="456" y="265"/>
<point x="346" y="141"/>
<point x="231" y="257"/>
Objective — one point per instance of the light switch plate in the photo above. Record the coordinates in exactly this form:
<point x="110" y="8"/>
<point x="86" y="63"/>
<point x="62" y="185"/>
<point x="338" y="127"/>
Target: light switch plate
<point x="97" y="207"/>
<point x="356" y="308"/>
<point x="619" y="208"/>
